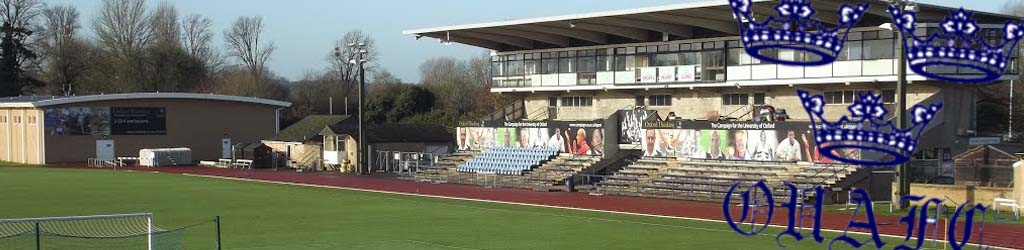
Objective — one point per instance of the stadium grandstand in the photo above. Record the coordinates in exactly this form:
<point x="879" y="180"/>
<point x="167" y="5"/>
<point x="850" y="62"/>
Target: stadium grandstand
<point x="664" y="102"/>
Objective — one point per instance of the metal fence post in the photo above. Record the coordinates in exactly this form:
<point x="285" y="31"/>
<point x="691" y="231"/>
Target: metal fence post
<point x="217" y="221"/>
<point x="38" y="240"/>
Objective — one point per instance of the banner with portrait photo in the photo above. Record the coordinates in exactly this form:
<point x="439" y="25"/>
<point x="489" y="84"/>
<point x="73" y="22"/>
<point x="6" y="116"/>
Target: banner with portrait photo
<point x="579" y="138"/>
<point x="750" y="141"/>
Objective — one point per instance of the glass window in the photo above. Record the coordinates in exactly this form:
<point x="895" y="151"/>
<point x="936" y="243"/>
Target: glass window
<point x="604" y="63"/>
<point x="566" y="65"/>
<point x="735" y="99"/>
<point x="737" y="57"/>
<point x="515" y="68"/>
<point x="854" y="36"/>
<point x="740" y="57"/>
<point x="878" y="49"/>
<point x="759" y="99"/>
<point x="642" y="61"/>
<point x="660" y="100"/>
<point x="689" y="58"/>
<point x="497" y="69"/>
<point x="586" y="64"/>
<point x="666" y="59"/>
<point x="852" y="51"/>
<point x="712" y="66"/>
<point x="889" y="96"/>
<point x="552" y="101"/>
<point x="532" y="67"/>
<point x="846" y="96"/>
<point x="624" y="63"/>
<point x="639" y="101"/>
<point x="577" y="101"/>
<point x="550" y="66"/>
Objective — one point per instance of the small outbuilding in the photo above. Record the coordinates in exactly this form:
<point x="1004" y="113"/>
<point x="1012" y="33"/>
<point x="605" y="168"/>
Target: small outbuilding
<point x="75" y="129"/>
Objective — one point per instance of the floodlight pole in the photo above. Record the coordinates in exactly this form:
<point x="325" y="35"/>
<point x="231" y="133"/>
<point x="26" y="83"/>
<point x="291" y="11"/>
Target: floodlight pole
<point x="359" y="54"/>
<point x="903" y="170"/>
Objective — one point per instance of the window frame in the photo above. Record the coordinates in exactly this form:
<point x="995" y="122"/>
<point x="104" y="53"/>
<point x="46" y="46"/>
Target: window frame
<point x="659" y="100"/>
<point x="576" y="101"/>
<point x="742" y="99"/>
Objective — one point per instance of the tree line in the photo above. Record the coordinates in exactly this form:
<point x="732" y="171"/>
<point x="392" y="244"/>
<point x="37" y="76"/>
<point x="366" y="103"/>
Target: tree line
<point x="45" y="50"/>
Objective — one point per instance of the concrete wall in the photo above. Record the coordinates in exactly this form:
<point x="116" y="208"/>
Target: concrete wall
<point x="196" y="124"/>
<point x="959" y="193"/>
<point x="20" y="135"/>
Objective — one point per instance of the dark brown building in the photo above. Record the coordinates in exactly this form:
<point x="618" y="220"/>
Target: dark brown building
<point x="58" y="129"/>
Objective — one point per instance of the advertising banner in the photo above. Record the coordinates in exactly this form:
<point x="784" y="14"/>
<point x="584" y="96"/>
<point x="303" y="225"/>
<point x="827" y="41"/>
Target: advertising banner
<point x="138" y="121"/>
<point x="631" y="122"/>
<point x="752" y="141"/>
<point x="100" y="121"/>
<point x="686" y="73"/>
<point x="78" y="121"/>
<point x="579" y="138"/>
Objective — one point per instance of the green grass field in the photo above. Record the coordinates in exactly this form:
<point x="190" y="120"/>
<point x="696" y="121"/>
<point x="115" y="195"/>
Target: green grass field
<point x="271" y="216"/>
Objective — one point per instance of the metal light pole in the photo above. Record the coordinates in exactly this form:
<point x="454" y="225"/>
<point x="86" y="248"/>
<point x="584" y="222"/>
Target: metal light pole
<point x="359" y="58"/>
<point x="903" y="170"/>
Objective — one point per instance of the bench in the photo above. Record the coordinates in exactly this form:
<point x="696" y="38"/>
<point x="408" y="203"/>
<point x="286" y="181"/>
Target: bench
<point x="224" y="162"/>
<point x="127" y="161"/>
<point x="1014" y="207"/>
<point x="242" y="163"/>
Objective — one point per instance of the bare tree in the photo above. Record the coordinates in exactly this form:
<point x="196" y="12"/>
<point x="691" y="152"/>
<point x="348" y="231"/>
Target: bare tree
<point x="65" y="53"/>
<point x="244" y="40"/>
<point x="20" y="13"/>
<point x="164" y="24"/>
<point x="346" y="72"/>
<point x="384" y="77"/>
<point x="122" y="26"/>
<point x="196" y="40"/>
<point x="448" y="78"/>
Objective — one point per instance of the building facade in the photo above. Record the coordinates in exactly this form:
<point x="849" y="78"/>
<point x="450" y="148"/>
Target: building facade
<point x="686" y="61"/>
<point x="49" y="130"/>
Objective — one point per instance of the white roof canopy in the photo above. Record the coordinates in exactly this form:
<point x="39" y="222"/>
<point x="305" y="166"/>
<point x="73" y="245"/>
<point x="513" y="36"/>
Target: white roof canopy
<point x="43" y="101"/>
<point x="651" y="24"/>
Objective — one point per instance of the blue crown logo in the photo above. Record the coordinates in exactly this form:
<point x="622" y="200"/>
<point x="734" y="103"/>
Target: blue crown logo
<point x="795" y="30"/>
<point x="957" y="45"/>
<point x="866" y="129"/>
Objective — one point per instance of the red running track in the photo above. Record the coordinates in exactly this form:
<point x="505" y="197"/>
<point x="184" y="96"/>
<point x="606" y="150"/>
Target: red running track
<point x="1001" y="235"/>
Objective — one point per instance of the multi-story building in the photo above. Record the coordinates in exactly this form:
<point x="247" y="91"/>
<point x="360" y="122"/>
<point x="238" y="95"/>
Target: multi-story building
<point x="686" y="60"/>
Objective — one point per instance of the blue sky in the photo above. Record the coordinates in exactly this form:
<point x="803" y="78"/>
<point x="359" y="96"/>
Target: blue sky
<point x="304" y="30"/>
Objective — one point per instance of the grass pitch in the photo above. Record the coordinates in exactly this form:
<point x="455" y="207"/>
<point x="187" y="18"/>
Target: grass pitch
<point x="273" y="216"/>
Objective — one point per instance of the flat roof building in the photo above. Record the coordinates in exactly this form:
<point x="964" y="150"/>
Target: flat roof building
<point x="73" y="129"/>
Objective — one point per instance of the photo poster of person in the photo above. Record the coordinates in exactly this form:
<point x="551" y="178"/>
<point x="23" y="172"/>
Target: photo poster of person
<point x="750" y="141"/>
<point x="678" y="143"/>
<point x="582" y="138"/>
<point x="474" y="138"/>
<point x="631" y="123"/>
<point x="579" y="138"/>
<point x="78" y="121"/>
<point x="506" y="137"/>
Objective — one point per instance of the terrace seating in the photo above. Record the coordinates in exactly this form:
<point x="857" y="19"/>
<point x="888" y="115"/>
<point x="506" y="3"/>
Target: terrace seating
<point x="552" y="174"/>
<point x="444" y="167"/>
<point x="709" y="180"/>
<point x="507" y="161"/>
